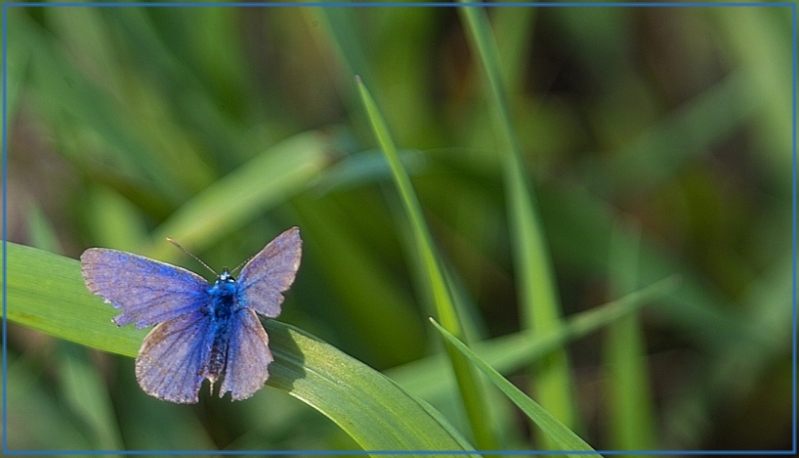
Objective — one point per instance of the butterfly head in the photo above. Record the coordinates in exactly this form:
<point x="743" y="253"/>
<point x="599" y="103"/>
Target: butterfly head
<point x="225" y="285"/>
<point x="225" y="277"/>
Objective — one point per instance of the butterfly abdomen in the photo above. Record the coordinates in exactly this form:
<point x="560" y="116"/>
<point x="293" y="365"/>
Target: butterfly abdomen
<point x="225" y="301"/>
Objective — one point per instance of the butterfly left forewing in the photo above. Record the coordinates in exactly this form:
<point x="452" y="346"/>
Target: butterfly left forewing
<point x="147" y="292"/>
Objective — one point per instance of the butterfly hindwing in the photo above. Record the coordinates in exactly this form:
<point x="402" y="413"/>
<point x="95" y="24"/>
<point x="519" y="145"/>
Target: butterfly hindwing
<point x="172" y="358"/>
<point x="248" y="357"/>
<point x="147" y="292"/>
<point x="271" y="272"/>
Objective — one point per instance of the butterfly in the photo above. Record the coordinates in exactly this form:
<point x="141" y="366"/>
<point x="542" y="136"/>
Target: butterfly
<point x="203" y="330"/>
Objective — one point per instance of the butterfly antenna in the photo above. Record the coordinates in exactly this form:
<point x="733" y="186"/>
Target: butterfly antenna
<point x="173" y="242"/>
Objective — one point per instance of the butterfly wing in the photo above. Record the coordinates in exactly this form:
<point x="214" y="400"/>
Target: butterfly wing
<point x="172" y="358"/>
<point x="248" y="357"/>
<point x="271" y="272"/>
<point x="147" y="291"/>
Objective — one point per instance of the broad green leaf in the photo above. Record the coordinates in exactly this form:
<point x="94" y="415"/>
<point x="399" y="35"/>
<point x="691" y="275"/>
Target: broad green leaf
<point x="80" y="380"/>
<point x="46" y="293"/>
<point x="565" y="438"/>
<point x="538" y="295"/>
<point x="470" y="389"/>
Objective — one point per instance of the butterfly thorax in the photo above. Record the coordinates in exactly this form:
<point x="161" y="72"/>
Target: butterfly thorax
<point x="224" y="295"/>
<point x="224" y="302"/>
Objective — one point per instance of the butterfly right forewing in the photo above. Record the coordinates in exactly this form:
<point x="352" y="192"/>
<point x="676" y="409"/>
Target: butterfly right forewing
<point x="271" y="272"/>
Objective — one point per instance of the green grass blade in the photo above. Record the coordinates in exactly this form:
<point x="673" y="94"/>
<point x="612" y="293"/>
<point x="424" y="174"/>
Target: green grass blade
<point x="266" y="180"/>
<point x="630" y="422"/>
<point x="40" y="231"/>
<point x="81" y="382"/>
<point x="684" y="135"/>
<point x="538" y="291"/>
<point x="61" y="91"/>
<point x="514" y="29"/>
<point x="565" y="438"/>
<point x="428" y="378"/>
<point x="473" y="398"/>
<point x="33" y="410"/>
<point x="699" y="309"/>
<point x="116" y="222"/>
<point x="87" y="396"/>
<point x="16" y="73"/>
<point x="46" y="293"/>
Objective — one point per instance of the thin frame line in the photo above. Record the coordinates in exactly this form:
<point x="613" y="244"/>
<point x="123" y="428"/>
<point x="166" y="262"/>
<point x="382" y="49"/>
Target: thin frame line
<point x="793" y="222"/>
<point x="8" y="5"/>
<point x="402" y="452"/>
<point x="399" y="4"/>
<point x="5" y="222"/>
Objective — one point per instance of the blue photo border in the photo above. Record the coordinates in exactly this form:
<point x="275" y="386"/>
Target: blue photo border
<point x="8" y="5"/>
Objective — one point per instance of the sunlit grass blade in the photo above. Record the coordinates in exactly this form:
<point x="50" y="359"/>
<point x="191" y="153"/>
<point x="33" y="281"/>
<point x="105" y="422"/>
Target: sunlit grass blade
<point x="538" y="294"/>
<point x="40" y="231"/>
<point x="116" y="223"/>
<point x="266" y="180"/>
<point x="46" y="293"/>
<point x="427" y="378"/>
<point x="761" y="43"/>
<point x="561" y="435"/>
<point x="364" y="167"/>
<point x="473" y="398"/>
<point x="514" y="27"/>
<point x="630" y="411"/>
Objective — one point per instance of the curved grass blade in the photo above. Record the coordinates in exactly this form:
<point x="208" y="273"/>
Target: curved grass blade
<point x="538" y="291"/>
<point x="46" y="293"/>
<point x="266" y="180"/>
<point x="564" y="437"/>
<point x="428" y="378"/>
<point x="471" y="391"/>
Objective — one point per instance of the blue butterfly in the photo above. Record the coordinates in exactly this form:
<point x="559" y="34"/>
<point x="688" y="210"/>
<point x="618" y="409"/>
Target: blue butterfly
<point x="203" y="330"/>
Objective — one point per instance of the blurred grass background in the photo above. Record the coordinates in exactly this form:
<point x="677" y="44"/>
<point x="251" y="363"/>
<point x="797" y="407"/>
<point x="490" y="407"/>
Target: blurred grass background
<point x="655" y="141"/>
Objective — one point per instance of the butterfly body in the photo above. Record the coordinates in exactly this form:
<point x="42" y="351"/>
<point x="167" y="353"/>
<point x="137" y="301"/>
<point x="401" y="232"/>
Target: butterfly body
<point x="202" y="330"/>
<point x="223" y="312"/>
